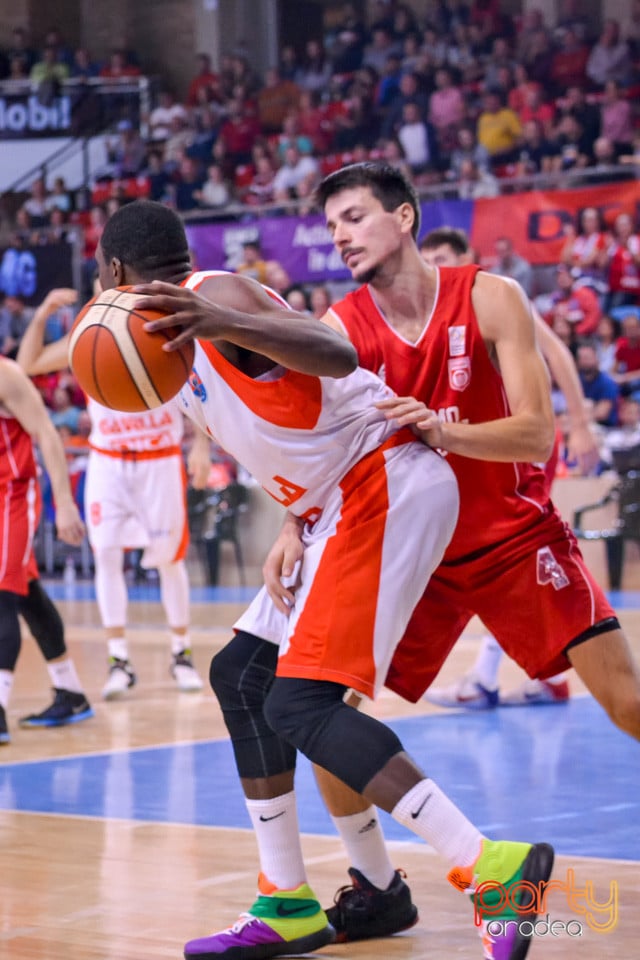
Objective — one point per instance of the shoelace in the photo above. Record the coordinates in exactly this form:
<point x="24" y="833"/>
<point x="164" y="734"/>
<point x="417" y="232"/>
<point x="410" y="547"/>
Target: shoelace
<point x="243" y="921"/>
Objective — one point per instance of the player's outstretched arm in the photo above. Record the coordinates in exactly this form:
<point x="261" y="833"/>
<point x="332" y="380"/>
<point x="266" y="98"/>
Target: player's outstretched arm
<point x="33" y="356"/>
<point x="19" y="396"/>
<point x="239" y="311"/>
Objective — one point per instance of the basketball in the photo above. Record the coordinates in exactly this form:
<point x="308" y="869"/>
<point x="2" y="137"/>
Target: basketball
<point x="117" y="362"/>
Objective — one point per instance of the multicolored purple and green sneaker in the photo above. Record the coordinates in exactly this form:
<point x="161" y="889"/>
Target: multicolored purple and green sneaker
<point x="506" y="885"/>
<point x="280" y="923"/>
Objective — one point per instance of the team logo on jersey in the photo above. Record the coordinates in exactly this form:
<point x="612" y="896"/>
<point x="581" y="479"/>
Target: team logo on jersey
<point x="550" y="571"/>
<point x="459" y="373"/>
<point x="457" y="341"/>
<point x="197" y="386"/>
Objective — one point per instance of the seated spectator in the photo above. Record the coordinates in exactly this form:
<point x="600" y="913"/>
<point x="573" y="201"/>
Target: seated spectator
<point x="297" y="298"/>
<point x="419" y="141"/>
<point x="127" y="155"/>
<point x="626" y="434"/>
<point x="59" y="198"/>
<point x="382" y="46"/>
<point x="238" y="133"/>
<point x="633" y="156"/>
<point x="626" y="369"/>
<point x="616" y="119"/>
<point x="387" y="87"/>
<point x="356" y="125"/>
<point x="499" y="66"/>
<point x="288" y="62"/>
<point x="205" y="80"/>
<point x="202" y="136"/>
<point x="585" y="252"/>
<point x="15" y="317"/>
<point x="468" y="148"/>
<point x="564" y="331"/>
<point x="573" y="146"/>
<point x="36" y="206"/>
<point x="63" y="411"/>
<point x="315" y="122"/>
<point x="510" y="264"/>
<point x="447" y="110"/>
<point x="475" y="183"/>
<point x="462" y="57"/>
<point x="277" y="98"/>
<point x="158" y="176"/>
<point x="17" y="69"/>
<point x="571" y="17"/>
<point x="623" y="271"/>
<point x="610" y="58"/>
<point x="392" y="153"/>
<point x="522" y="86"/>
<point x="569" y="63"/>
<point x="118" y="66"/>
<point x="606" y="341"/>
<point x="314" y="73"/>
<point x="180" y="138"/>
<point x="408" y="92"/>
<point x="259" y="192"/>
<point x="605" y="161"/>
<point x="163" y="114"/>
<point x="537" y="107"/>
<point x="49" y="70"/>
<point x="575" y="104"/>
<point x="277" y="277"/>
<point x="498" y="128"/>
<point x="539" y="57"/>
<point x="345" y="44"/>
<point x="536" y="154"/>
<point x="20" y="50"/>
<point x="215" y="191"/>
<point x="83" y="67"/>
<point x="188" y="184"/>
<point x="320" y="301"/>
<point x="598" y="387"/>
<point x="579" y="304"/>
<point x="292" y="136"/>
<point x="297" y="177"/>
<point x="253" y="263"/>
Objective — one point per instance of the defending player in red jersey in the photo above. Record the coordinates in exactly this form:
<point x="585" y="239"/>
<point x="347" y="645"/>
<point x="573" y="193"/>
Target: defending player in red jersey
<point x="23" y="417"/>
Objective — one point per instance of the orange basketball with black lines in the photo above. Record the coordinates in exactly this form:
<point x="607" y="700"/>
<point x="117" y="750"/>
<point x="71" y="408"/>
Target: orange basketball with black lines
<point x="120" y="364"/>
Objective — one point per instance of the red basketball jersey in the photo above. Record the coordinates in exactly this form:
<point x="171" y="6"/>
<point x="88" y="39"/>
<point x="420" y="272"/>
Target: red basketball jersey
<point x="449" y="368"/>
<point x="16" y="452"/>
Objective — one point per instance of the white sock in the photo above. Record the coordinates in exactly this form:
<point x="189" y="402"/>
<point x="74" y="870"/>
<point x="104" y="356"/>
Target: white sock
<point x="118" y="648"/>
<point x="487" y="664"/>
<point x="427" y="811"/>
<point x="275" y="823"/>
<point x="180" y="642"/>
<point x="64" y="676"/>
<point x="6" y="683"/>
<point x="363" y="838"/>
<point x="557" y="678"/>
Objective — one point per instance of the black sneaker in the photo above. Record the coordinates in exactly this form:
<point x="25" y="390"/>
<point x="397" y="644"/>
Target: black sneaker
<point x="362" y="911"/>
<point x="4" y="730"/>
<point x="67" y="707"/>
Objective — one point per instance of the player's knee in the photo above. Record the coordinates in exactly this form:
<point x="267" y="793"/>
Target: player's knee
<point x="243" y="671"/>
<point x="9" y="630"/>
<point x="624" y="709"/>
<point x="298" y="710"/>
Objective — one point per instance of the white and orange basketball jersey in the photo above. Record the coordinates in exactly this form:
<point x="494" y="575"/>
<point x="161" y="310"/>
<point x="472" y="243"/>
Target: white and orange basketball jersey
<point x="151" y="433"/>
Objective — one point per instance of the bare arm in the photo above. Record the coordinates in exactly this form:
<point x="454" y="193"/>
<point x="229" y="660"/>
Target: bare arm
<point x="233" y="309"/>
<point x="33" y="356"/>
<point x="19" y="396"/>
<point x="582" y="444"/>
<point x="199" y="459"/>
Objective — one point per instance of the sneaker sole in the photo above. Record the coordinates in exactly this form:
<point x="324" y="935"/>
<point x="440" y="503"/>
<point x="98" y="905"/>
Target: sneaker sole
<point x="536" y="869"/>
<point x="344" y="937"/>
<point x="4" y="739"/>
<point x="265" y="951"/>
<point x="74" y="718"/>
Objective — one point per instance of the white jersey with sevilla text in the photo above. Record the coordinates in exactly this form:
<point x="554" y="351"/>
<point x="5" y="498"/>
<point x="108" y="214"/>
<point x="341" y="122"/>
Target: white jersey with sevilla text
<point x="151" y="432"/>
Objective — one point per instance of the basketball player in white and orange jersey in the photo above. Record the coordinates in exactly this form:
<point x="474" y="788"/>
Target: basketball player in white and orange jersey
<point x="281" y="391"/>
<point x="135" y="496"/>
<point x="23" y="419"/>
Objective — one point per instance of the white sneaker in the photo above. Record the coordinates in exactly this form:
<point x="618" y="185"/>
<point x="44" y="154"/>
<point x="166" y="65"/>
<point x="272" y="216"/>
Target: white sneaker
<point x="121" y="677"/>
<point x="466" y="694"/>
<point x="184" y="673"/>
<point x="533" y="692"/>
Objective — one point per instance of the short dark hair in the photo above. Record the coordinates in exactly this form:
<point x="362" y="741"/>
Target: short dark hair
<point x="387" y="184"/>
<point x="148" y="237"/>
<point x="456" y="239"/>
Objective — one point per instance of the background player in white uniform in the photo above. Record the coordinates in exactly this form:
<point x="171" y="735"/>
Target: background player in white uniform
<point x="134" y="497"/>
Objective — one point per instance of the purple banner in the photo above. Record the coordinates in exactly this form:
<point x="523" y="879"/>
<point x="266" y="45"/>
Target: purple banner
<point x="301" y="244"/>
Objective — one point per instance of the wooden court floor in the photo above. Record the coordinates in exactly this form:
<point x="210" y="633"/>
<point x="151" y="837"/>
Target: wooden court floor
<point x="117" y="884"/>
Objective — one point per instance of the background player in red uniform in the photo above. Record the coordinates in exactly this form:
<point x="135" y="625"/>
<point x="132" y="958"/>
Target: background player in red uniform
<point x="24" y="418"/>
<point x="478" y="688"/>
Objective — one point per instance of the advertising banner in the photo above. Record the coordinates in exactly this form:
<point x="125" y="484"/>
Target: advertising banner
<point x="30" y="272"/>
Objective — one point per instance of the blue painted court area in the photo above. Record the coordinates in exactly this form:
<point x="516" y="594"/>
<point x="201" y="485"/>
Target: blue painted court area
<point x="560" y="773"/>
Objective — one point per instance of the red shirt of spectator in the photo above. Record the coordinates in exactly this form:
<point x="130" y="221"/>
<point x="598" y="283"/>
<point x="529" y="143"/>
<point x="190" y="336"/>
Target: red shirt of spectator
<point x="579" y="305"/>
<point x="205" y="79"/>
<point x="239" y="132"/>
<point x="117" y="68"/>
<point x="569" y="64"/>
<point x="624" y="258"/>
